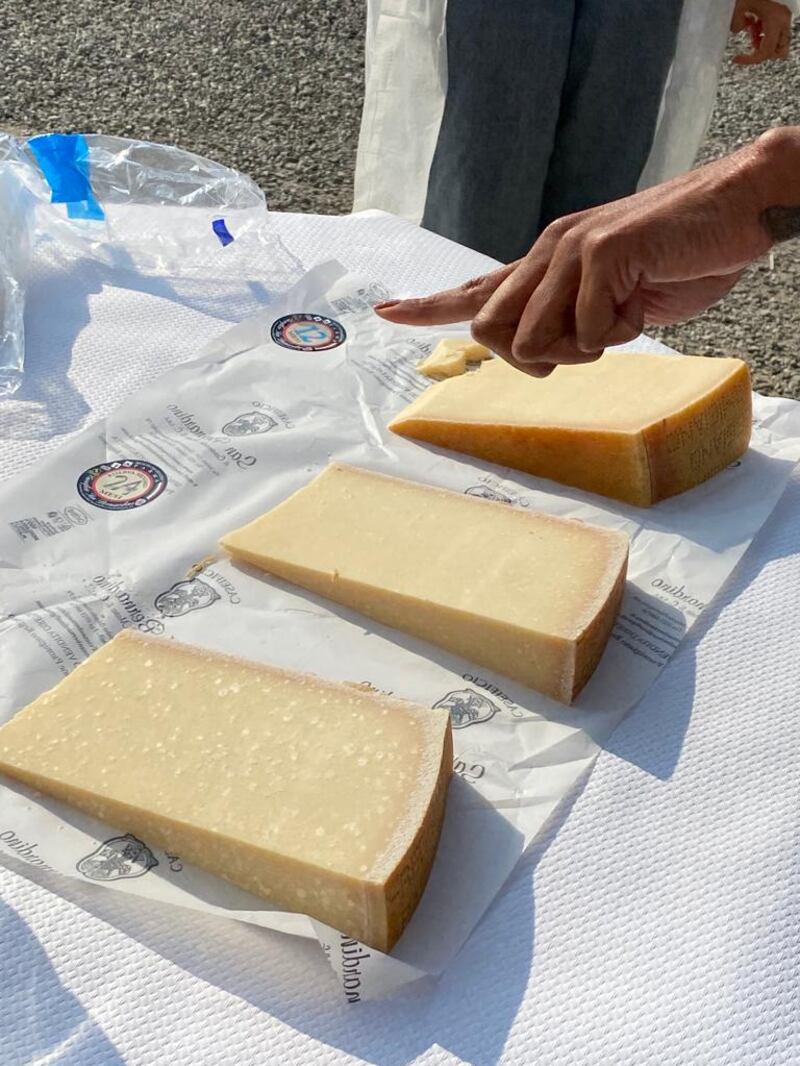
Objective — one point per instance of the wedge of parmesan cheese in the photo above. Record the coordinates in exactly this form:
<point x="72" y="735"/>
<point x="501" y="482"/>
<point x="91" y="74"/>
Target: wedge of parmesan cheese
<point x="529" y="595"/>
<point x="635" y="427"/>
<point x="321" y="798"/>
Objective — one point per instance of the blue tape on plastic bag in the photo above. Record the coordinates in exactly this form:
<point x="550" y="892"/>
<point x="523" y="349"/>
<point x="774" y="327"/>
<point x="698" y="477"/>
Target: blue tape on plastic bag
<point x="64" y="160"/>
<point x="222" y="231"/>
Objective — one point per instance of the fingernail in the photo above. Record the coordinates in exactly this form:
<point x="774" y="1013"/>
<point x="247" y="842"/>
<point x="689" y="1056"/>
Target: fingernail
<point x="385" y="304"/>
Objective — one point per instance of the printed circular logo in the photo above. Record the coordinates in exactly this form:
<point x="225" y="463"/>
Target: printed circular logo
<point x="122" y="484"/>
<point x="308" y="333"/>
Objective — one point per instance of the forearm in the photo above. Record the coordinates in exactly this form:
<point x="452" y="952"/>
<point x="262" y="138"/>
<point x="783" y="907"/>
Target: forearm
<point x="758" y="184"/>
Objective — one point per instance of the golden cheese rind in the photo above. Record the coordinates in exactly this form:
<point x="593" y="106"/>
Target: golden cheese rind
<point x="636" y="427"/>
<point x="529" y="595"/>
<point x="319" y="797"/>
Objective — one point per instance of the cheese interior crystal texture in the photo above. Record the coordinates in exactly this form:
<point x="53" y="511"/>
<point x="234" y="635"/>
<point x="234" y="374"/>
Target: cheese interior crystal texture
<point x="451" y="356"/>
<point x="529" y="595"/>
<point x="636" y="427"/>
<point x="319" y="797"/>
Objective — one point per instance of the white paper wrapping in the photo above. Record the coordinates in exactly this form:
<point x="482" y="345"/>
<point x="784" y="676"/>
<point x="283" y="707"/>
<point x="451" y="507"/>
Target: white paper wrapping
<point x="217" y="441"/>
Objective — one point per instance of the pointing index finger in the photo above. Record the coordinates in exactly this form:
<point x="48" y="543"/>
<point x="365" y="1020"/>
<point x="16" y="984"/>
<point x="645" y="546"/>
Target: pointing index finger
<point x="451" y="305"/>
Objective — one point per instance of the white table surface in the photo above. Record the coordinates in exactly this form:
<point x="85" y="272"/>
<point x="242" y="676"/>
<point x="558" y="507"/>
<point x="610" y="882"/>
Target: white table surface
<point x="658" y="923"/>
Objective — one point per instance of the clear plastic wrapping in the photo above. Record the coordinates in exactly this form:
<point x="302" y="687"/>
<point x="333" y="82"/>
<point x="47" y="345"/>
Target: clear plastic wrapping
<point x="131" y="205"/>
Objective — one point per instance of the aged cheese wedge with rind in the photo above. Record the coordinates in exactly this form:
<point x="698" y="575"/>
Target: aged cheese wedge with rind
<point x="529" y="595"/>
<point x="451" y="356"/>
<point x="317" y="796"/>
<point x="636" y="427"/>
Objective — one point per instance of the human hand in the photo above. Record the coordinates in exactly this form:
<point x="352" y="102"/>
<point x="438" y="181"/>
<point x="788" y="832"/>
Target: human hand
<point x="769" y="24"/>
<point x="595" y="278"/>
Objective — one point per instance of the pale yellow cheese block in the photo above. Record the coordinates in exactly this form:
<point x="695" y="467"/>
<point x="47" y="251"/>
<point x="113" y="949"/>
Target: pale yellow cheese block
<point x="529" y="595"/>
<point x="450" y="357"/>
<point x="319" y="797"/>
<point x="635" y="427"/>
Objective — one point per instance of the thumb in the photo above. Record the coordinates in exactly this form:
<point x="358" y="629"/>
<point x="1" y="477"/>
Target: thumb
<point x="451" y="305"/>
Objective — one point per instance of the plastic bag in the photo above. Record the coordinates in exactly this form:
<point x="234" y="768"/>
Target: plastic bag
<point x="691" y="90"/>
<point x="405" y="89"/>
<point x="94" y="196"/>
<point x="16" y="204"/>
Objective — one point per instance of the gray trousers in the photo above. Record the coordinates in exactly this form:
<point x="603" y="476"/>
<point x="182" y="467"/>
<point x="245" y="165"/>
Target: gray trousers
<point x="551" y="108"/>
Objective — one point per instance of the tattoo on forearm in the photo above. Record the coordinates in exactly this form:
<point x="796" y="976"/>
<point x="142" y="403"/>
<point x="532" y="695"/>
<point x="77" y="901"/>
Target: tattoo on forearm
<point x="781" y="223"/>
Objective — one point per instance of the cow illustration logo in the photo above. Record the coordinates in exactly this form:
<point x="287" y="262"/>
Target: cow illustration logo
<point x="118" y="858"/>
<point x="467" y="707"/>
<point x="484" y="492"/>
<point x="308" y="333"/>
<point x="122" y="484"/>
<point x="247" y="424"/>
<point x="186" y="596"/>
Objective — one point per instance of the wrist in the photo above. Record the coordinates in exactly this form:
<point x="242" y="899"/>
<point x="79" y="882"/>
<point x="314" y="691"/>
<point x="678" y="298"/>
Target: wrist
<point x="773" y="168"/>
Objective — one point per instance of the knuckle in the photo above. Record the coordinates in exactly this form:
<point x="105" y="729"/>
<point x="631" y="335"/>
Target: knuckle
<point x="597" y="243"/>
<point x="484" y="323"/>
<point x="556" y="229"/>
<point x="523" y="350"/>
<point x="519" y="351"/>
<point x="559" y="228"/>
<point x="473" y="285"/>
<point x="483" y="329"/>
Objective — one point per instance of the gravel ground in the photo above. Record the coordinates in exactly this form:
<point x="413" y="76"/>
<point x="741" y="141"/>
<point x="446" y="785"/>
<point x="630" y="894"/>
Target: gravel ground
<point x="274" y="88"/>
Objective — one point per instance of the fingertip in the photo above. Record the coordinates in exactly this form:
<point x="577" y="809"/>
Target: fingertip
<point x="593" y="355"/>
<point x="586" y="347"/>
<point x="393" y="310"/>
<point x="538" y="370"/>
<point x="416" y="311"/>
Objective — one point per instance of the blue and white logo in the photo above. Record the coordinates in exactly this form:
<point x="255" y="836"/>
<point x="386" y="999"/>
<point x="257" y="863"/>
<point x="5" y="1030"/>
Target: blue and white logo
<point x="308" y="333"/>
